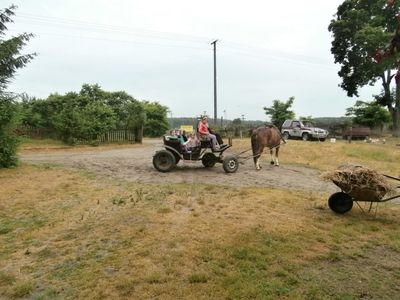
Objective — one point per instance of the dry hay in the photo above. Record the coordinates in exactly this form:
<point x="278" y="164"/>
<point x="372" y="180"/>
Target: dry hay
<point x="361" y="183"/>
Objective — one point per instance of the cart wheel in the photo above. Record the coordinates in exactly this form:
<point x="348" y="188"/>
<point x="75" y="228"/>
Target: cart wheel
<point x="340" y="202"/>
<point x="164" y="161"/>
<point x="177" y="157"/>
<point x="209" y="160"/>
<point x="230" y="164"/>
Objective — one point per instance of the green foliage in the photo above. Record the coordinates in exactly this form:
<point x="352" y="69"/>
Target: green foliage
<point x="369" y="114"/>
<point x="157" y="122"/>
<point x="8" y="141"/>
<point x="10" y="61"/>
<point x="307" y="119"/>
<point x="8" y="149"/>
<point x="10" y="57"/>
<point x="359" y="30"/>
<point x="237" y="122"/>
<point x="88" y="122"/>
<point x="85" y="115"/>
<point x="335" y="125"/>
<point x="279" y="111"/>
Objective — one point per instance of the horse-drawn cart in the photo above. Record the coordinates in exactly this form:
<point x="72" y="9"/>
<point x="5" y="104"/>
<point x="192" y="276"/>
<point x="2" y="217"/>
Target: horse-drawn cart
<point x="266" y="136"/>
<point x="165" y="160"/>
<point x="372" y="188"/>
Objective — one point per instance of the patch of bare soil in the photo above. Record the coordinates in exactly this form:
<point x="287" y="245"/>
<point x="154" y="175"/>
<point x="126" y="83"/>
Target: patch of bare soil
<point x="134" y="163"/>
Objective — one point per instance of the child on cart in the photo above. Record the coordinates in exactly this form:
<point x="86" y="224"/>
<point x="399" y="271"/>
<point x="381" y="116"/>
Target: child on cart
<point x="192" y="143"/>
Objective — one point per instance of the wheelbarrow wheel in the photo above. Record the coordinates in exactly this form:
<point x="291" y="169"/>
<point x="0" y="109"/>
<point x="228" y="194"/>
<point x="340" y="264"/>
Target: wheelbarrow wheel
<point x="340" y="202"/>
<point x="230" y="164"/>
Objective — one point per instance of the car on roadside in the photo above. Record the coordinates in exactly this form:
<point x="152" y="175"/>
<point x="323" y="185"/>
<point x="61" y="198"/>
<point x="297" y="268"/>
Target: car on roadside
<point x="296" y="129"/>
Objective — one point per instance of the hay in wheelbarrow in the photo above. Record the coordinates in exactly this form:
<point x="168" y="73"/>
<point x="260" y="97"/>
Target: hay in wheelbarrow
<point x="361" y="183"/>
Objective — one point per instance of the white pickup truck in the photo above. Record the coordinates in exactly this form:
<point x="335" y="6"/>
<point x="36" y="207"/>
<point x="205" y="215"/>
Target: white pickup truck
<point x="296" y="129"/>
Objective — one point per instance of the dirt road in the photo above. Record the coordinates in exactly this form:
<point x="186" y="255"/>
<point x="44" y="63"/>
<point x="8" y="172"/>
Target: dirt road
<point x="135" y="164"/>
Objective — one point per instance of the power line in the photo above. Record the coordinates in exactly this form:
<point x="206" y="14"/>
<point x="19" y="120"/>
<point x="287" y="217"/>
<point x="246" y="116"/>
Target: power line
<point x="43" y="20"/>
<point x="61" y="35"/>
<point x="228" y="46"/>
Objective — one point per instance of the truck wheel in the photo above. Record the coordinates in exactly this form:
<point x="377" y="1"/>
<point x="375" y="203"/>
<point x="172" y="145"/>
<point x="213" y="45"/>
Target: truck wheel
<point x="285" y="135"/>
<point x="209" y="160"/>
<point x="305" y="136"/>
<point x="164" y="161"/>
<point x="230" y="164"/>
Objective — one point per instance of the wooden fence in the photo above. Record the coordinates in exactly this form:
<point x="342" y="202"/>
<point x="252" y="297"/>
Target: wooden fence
<point x="117" y="136"/>
<point x="113" y="136"/>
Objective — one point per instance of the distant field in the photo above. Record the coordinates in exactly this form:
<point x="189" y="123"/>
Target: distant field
<point x="325" y="155"/>
<point x="73" y="234"/>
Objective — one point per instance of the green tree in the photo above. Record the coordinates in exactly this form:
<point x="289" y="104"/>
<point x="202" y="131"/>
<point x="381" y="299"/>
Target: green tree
<point x="86" y="114"/>
<point x="11" y="60"/>
<point x="236" y="126"/>
<point x="369" y="114"/>
<point x="83" y="115"/>
<point x="237" y="122"/>
<point x="307" y="119"/>
<point x="359" y="30"/>
<point x="279" y="111"/>
<point x="156" y="119"/>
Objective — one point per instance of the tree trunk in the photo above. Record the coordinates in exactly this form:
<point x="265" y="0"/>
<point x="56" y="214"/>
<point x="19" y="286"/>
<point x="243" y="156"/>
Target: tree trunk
<point x="395" y="111"/>
<point x="394" y="108"/>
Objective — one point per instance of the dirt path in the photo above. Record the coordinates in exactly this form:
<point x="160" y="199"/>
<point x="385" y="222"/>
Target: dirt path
<point x="135" y="164"/>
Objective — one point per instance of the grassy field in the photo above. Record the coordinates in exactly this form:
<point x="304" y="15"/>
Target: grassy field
<point x="326" y="156"/>
<point x="73" y="235"/>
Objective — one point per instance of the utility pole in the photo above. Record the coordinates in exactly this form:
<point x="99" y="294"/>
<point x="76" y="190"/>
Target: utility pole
<point x="241" y="127"/>
<point x="171" y="122"/>
<point x="215" y="80"/>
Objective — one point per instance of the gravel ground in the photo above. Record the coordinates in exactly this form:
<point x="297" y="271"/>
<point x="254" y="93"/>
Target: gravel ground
<point x="135" y="164"/>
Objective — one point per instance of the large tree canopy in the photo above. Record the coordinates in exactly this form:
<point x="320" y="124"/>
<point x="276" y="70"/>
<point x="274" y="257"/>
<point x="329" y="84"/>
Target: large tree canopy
<point x="363" y="35"/>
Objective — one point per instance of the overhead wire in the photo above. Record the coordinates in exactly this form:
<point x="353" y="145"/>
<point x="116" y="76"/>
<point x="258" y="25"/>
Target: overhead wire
<point x="227" y="46"/>
<point x="111" y="28"/>
<point x="129" y="41"/>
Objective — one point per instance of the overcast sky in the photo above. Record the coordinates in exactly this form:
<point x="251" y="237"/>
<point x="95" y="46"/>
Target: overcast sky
<point x="160" y="50"/>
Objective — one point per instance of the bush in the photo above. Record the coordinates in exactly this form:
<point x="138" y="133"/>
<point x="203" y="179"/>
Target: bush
<point x="8" y="149"/>
<point x="8" y="141"/>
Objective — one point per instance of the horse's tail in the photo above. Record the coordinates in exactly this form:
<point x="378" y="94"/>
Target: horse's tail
<point x="255" y="146"/>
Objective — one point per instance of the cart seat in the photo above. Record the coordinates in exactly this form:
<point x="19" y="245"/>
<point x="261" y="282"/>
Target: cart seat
<point x="172" y="142"/>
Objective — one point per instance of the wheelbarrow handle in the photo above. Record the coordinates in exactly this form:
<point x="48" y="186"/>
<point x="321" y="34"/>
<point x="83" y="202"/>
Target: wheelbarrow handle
<point x="391" y="177"/>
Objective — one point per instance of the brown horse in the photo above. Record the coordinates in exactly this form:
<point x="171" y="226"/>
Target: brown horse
<point x="266" y="136"/>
